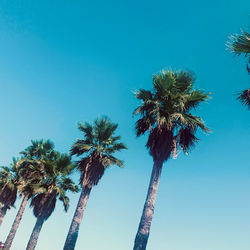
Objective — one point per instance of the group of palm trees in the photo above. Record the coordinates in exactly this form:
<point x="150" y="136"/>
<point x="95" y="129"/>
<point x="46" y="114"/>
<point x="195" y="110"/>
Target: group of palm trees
<point x="42" y="175"/>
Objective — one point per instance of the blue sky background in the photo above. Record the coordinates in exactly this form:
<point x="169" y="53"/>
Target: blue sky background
<point x="62" y="62"/>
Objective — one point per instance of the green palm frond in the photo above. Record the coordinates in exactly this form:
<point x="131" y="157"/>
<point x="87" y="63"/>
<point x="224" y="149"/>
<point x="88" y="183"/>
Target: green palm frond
<point x="39" y="149"/>
<point x="110" y="160"/>
<point x="87" y="129"/>
<point x="66" y="183"/>
<point x="116" y="147"/>
<point x="184" y="81"/>
<point x="195" y="122"/>
<point x="104" y="129"/>
<point x="80" y="147"/>
<point x="240" y="43"/>
<point x="194" y="99"/>
<point x="143" y="95"/>
<point x="65" y="201"/>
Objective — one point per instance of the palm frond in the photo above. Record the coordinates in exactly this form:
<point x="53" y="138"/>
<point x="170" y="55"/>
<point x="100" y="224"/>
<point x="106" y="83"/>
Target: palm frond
<point x="80" y="147"/>
<point x="115" y="148"/>
<point x="195" y="98"/>
<point x="240" y="43"/>
<point x="244" y="97"/>
<point x="87" y="129"/>
<point x="109" y="160"/>
<point x="143" y="95"/>
<point x="195" y="122"/>
<point x="187" y="139"/>
<point x="65" y="200"/>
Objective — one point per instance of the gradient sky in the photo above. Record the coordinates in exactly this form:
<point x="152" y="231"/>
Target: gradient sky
<point x="68" y="61"/>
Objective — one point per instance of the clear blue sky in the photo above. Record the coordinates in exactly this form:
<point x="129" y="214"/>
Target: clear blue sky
<point x="62" y="62"/>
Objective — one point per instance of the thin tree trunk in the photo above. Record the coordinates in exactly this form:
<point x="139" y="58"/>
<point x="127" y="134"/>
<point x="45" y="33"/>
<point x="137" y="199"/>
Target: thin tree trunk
<point x="142" y="235"/>
<point x="3" y="211"/>
<point x="35" y="233"/>
<point x="77" y="219"/>
<point x="15" y="224"/>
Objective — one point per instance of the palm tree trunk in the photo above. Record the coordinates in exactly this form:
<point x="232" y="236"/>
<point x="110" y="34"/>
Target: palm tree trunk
<point x="15" y="224"/>
<point x="142" y="235"/>
<point x="35" y="233"/>
<point x="3" y="211"/>
<point x="74" y="227"/>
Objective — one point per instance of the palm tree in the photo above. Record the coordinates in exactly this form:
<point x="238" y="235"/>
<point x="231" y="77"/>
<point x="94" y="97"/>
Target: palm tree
<point x="8" y="188"/>
<point x="56" y="184"/>
<point x="165" y="116"/>
<point x="30" y="175"/>
<point x="240" y="45"/>
<point x="97" y="147"/>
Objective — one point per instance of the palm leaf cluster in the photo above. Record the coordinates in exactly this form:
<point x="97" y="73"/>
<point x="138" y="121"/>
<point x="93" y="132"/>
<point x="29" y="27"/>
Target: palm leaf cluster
<point x="165" y="113"/>
<point x="8" y="187"/>
<point x="240" y="44"/>
<point x="55" y="184"/>
<point x="97" y="147"/>
<point x="244" y="97"/>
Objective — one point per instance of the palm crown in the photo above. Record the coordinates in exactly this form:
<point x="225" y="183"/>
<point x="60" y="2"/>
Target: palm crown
<point x="55" y="185"/>
<point x="240" y="44"/>
<point x="8" y="185"/>
<point x="39" y="150"/>
<point x="34" y="165"/>
<point x="98" y="145"/>
<point x="20" y="177"/>
<point x="165" y="113"/>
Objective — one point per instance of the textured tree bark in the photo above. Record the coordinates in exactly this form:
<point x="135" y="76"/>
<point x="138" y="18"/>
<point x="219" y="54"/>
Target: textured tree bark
<point x="15" y="224"/>
<point x="77" y="219"/>
<point x="35" y="233"/>
<point x="3" y="211"/>
<point x="142" y="235"/>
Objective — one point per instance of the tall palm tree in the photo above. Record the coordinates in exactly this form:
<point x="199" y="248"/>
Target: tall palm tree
<point x="8" y="189"/>
<point x="56" y="184"/>
<point x="165" y="116"/>
<point x="240" y="45"/>
<point x="97" y="147"/>
<point x="30" y="176"/>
